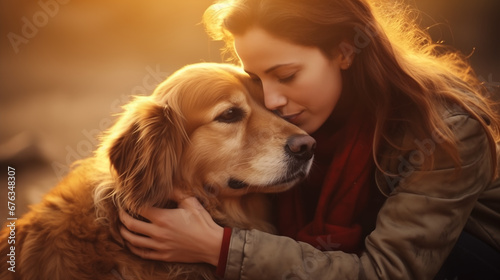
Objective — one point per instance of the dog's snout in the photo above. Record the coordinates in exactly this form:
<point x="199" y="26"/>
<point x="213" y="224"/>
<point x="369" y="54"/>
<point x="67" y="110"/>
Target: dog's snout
<point x="300" y="147"/>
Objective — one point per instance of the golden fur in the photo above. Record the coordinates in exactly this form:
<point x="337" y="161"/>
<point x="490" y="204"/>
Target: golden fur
<point x="200" y="132"/>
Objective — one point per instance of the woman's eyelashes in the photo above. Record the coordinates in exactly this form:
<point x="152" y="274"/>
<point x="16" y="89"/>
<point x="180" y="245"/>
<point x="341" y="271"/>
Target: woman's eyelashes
<point x="286" y="79"/>
<point x="282" y="79"/>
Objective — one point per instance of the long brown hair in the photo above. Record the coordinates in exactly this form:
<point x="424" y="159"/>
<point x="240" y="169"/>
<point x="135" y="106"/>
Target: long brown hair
<point x="398" y="72"/>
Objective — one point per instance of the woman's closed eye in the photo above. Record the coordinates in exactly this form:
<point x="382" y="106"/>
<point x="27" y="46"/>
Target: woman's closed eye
<point x="286" y="79"/>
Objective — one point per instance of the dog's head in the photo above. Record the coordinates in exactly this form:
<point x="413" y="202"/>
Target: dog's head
<point x="205" y="131"/>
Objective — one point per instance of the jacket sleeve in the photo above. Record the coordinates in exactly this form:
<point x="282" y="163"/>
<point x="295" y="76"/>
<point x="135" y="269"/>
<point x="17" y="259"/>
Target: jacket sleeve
<point x="416" y="227"/>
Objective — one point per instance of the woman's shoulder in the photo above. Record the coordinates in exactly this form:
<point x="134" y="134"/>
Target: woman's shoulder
<point x="472" y="143"/>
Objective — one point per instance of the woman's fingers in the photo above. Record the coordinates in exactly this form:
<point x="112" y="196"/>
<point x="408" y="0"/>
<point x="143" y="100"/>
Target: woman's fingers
<point x="138" y="240"/>
<point x="145" y="253"/>
<point x="141" y="246"/>
<point x="153" y="214"/>
<point x="137" y="226"/>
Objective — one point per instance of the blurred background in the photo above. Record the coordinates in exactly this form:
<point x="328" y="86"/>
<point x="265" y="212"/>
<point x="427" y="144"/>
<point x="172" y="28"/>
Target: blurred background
<point x="66" y="66"/>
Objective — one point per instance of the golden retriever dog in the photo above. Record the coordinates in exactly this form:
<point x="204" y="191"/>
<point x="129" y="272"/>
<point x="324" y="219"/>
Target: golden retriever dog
<point x="204" y="132"/>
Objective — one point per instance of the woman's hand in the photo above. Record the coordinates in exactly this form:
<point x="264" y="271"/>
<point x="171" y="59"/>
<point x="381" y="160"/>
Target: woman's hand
<point x="185" y="234"/>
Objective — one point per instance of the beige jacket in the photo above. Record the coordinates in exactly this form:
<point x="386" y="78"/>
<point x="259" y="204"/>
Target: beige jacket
<point x="416" y="227"/>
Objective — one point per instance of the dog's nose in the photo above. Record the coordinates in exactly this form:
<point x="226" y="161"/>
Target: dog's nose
<point x="300" y="147"/>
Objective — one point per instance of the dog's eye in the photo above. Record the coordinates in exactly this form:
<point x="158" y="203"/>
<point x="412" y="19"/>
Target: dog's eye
<point x="231" y="115"/>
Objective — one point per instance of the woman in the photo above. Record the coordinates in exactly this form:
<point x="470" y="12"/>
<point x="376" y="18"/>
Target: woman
<point x="406" y="155"/>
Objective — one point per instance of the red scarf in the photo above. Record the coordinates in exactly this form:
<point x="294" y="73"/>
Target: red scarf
<point x="325" y="210"/>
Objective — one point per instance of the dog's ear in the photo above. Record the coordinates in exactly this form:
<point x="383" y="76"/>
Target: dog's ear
<point x="145" y="154"/>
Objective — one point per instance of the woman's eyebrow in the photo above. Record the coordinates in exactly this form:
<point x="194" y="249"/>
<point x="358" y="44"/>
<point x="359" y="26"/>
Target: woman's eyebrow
<point x="276" y="66"/>
<point x="269" y="69"/>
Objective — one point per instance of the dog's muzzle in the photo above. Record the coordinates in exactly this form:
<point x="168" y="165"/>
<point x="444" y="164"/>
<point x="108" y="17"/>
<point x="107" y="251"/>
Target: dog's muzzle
<point x="300" y="150"/>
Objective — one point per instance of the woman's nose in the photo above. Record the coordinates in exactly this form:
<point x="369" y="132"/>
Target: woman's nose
<point x="273" y="98"/>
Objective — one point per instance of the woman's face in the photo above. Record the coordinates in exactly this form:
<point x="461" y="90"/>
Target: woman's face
<point x="300" y="83"/>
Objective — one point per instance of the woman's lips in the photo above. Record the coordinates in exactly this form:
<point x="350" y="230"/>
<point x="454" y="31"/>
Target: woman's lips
<point x="293" y="118"/>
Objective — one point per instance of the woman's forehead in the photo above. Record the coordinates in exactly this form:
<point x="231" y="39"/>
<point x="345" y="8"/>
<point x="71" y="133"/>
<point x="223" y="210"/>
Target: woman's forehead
<point x="259" y="50"/>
